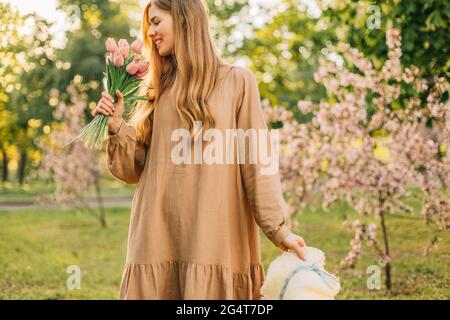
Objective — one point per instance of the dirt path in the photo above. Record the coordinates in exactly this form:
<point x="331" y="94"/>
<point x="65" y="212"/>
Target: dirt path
<point x="23" y="205"/>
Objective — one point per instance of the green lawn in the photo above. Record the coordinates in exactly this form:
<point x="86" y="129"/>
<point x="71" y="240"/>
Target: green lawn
<point x="36" y="247"/>
<point x="13" y="192"/>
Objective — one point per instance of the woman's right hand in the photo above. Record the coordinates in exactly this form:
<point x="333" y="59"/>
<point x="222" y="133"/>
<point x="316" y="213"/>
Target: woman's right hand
<point x="107" y="107"/>
<point x="296" y="243"/>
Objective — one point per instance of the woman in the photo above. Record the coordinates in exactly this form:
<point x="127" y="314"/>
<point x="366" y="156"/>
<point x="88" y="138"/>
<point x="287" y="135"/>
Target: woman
<point x="194" y="227"/>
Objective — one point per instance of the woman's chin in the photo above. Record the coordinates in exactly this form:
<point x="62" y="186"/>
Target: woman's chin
<point x="162" y="52"/>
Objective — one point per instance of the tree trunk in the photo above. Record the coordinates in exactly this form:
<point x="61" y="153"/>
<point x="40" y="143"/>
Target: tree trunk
<point x="102" y="215"/>
<point x="5" y="161"/>
<point x="22" y="165"/>
<point x="387" y="267"/>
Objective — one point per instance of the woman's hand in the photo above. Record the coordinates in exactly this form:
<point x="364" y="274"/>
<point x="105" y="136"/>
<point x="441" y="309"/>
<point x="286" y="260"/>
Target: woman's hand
<point x="107" y="107"/>
<point x="295" y="243"/>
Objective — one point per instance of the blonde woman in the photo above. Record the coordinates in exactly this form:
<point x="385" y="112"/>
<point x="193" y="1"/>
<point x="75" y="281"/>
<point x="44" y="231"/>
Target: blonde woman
<point x="194" y="226"/>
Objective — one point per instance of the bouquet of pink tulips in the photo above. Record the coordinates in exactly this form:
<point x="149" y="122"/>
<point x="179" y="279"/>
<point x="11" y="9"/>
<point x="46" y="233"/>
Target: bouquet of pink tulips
<point x="125" y="68"/>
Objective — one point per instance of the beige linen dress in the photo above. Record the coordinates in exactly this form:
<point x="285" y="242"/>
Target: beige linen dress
<point x="193" y="230"/>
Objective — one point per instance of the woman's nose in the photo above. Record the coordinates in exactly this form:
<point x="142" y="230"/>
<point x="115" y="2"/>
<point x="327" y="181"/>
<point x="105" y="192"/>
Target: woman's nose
<point x="151" y="32"/>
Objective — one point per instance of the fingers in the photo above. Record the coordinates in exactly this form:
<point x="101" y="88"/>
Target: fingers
<point x="108" y="108"/>
<point x="119" y="96"/>
<point x="299" y="251"/>
<point x="108" y="103"/>
<point x="103" y="111"/>
<point x="105" y="107"/>
<point x="301" y="242"/>
<point x="301" y="248"/>
<point x="107" y="96"/>
<point x="297" y="244"/>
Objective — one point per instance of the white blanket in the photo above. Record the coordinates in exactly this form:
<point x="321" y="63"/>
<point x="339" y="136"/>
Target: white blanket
<point x="291" y="278"/>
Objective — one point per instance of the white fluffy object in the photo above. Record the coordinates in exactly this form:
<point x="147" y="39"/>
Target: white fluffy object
<point x="301" y="280"/>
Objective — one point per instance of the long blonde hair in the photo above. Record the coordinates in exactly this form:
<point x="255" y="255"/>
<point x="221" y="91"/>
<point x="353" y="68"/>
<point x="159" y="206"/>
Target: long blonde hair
<point x="192" y="69"/>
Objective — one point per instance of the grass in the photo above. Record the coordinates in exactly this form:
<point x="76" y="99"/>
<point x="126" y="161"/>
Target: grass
<point x="37" y="246"/>
<point x="13" y="192"/>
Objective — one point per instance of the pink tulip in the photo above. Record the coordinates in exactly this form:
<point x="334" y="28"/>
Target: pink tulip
<point x="143" y="66"/>
<point x="124" y="50"/>
<point x="140" y="75"/>
<point x="123" y="43"/>
<point x="118" y="60"/>
<point x="111" y="45"/>
<point x="136" y="46"/>
<point x="132" y="67"/>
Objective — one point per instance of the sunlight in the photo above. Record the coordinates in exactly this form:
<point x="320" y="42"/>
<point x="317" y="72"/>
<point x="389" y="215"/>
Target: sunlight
<point x="45" y="8"/>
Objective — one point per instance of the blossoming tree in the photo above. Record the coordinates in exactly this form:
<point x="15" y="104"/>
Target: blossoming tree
<point x="74" y="170"/>
<point x="380" y="135"/>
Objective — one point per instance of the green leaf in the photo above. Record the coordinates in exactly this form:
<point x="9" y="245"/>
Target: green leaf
<point x="134" y="98"/>
<point x="131" y="89"/>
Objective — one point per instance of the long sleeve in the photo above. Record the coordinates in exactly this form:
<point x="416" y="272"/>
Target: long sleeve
<point x="264" y="191"/>
<point x="125" y="156"/>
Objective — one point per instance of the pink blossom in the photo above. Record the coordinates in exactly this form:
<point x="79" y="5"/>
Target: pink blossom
<point x="132" y="67"/>
<point x="73" y="170"/>
<point x="143" y="66"/>
<point x="123" y="43"/>
<point x="141" y="75"/>
<point x="337" y="155"/>
<point x="393" y="38"/>
<point x="111" y="45"/>
<point x="118" y="60"/>
<point x="137" y="45"/>
<point x="124" y="51"/>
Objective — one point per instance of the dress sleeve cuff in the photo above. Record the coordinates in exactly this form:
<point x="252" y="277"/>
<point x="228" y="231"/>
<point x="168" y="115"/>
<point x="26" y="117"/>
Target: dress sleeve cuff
<point x="280" y="235"/>
<point x="121" y="135"/>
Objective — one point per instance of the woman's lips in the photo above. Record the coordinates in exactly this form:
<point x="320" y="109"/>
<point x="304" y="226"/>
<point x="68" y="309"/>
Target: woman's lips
<point x="158" y="43"/>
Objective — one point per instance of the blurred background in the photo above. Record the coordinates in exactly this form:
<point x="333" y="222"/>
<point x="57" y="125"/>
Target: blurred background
<point x="381" y="213"/>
